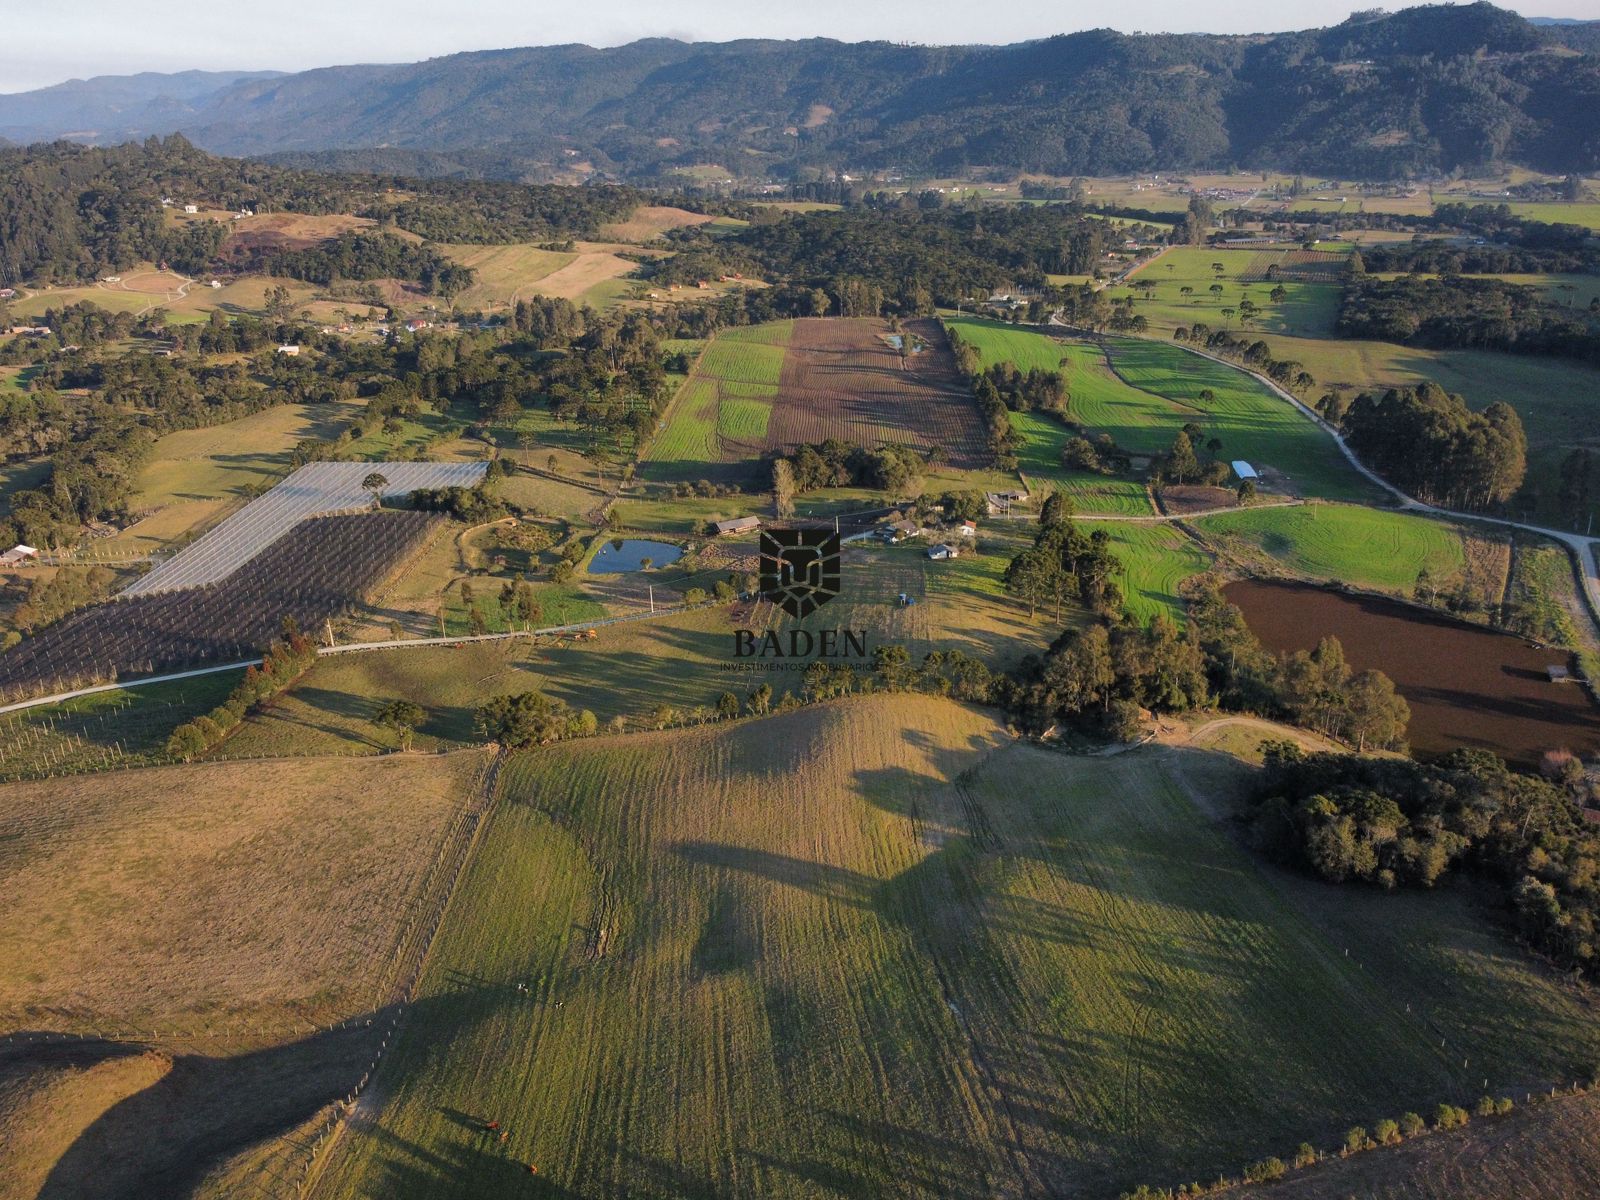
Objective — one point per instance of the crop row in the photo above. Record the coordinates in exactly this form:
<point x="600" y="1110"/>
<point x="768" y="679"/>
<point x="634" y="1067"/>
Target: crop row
<point x="315" y="490"/>
<point x="313" y="572"/>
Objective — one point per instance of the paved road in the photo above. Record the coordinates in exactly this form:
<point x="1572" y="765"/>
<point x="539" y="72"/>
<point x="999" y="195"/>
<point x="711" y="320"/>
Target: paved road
<point x="1584" y="550"/>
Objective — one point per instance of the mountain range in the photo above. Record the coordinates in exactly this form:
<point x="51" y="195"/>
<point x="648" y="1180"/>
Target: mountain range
<point x="1426" y="90"/>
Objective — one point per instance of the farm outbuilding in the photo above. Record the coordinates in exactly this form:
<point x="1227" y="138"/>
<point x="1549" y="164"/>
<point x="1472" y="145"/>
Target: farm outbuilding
<point x="1244" y="470"/>
<point x="944" y="550"/>
<point x="736" y="525"/>
<point x="902" y="531"/>
<point x="18" y="555"/>
<point x="1000" y="503"/>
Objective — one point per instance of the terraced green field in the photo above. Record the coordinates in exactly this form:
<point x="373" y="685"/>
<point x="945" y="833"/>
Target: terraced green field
<point x="1363" y="546"/>
<point x="1156" y="558"/>
<point x="877" y="948"/>
<point x="727" y="397"/>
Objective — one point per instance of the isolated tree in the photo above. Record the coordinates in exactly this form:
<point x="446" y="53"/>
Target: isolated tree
<point x="727" y="706"/>
<point x="1057" y="511"/>
<point x="403" y="717"/>
<point x="374" y="483"/>
<point x="1182" y="464"/>
<point x="782" y="487"/>
<point x="1377" y="714"/>
<point x="760" y="700"/>
<point x="279" y="304"/>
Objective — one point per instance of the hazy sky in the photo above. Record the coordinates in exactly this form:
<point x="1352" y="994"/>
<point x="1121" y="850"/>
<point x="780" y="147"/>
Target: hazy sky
<point x="46" y="42"/>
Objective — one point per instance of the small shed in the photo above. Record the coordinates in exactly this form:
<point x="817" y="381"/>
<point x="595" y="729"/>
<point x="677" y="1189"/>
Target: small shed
<point x="291" y="351"/>
<point x="1559" y="674"/>
<point x="736" y="525"/>
<point x="18" y="555"/>
<point x="191" y="208"/>
<point x="967" y="529"/>
<point x="943" y="551"/>
<point x="1244" y="470"/>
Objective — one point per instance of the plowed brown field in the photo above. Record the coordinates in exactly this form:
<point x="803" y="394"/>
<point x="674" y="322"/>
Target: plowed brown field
<point x="841" y="379"/>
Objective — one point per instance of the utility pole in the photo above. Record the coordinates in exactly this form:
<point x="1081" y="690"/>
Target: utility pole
<point x="330" y="632"/>
<point x="652" y="589"/>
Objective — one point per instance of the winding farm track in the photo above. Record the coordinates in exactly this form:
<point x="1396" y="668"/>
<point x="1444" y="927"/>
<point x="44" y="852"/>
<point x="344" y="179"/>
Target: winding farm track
<point x="1585" y="551"/>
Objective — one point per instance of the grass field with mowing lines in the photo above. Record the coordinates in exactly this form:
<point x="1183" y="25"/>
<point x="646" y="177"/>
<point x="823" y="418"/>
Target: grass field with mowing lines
<point x="1156" y="558"/>
<point x="1250" y="420"/>
<point x="1556" y="399"/>
<point x="728" y="395"/>
<point x="277" y="888"/>
<point x="1039" y="459"/>
<point x="1143" y="392"/>
<point x="1347" y="543"/>
<point x="876" y="956"/>
<point x="743" y="417"/>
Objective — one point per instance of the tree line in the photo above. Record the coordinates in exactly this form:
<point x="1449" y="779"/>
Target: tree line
<point x="1396" y="823"/>
<point x="1453" y="312"/>
<point x="1427" y="442"/>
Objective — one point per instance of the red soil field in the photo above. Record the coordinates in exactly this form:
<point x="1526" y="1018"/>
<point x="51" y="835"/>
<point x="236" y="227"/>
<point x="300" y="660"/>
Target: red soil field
<point x="1467" y="686"/>
<point x="842" y="380"/>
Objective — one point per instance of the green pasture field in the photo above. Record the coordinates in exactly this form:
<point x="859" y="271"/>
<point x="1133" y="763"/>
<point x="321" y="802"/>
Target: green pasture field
<point x="1039" y="460"/>
<point x="123" y="728"/>
<point x="1142" y="392"/>
<point x="1309" y="309"/>
<point x="877" y="954"/>
<point x="1347" y="543"/>
<point x="559" y="604"/>
<point x="627" y="671"/>
<point x="729" y="394"/>
<point x="690" y="514"/>
<point x="743" y="411"/>
<point x="19" y="476"/>
<point x="1156" y="558"/>
<point x="1557" y="213"/>
<point x="1556" y="399"/>
<point x="1251" y="422"/>
<point x="112" y="300"/>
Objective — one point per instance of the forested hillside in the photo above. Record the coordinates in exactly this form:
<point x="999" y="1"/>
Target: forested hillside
<point x="1430" y="89"/>
<point x="69" y="212"/>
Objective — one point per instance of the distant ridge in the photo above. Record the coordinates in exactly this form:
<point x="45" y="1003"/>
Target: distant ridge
<point x="1425" y="90"/>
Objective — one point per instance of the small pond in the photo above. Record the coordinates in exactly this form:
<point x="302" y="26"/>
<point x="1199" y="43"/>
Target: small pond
<point x="1466" y="685"/>
<point x="628" y="554"/>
